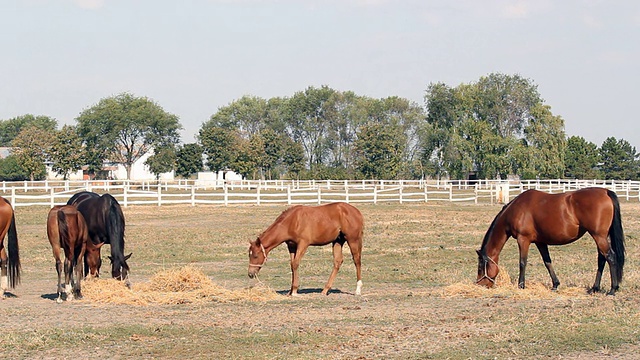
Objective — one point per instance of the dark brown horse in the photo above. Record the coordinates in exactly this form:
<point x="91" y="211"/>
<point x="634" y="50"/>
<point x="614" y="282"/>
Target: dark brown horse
<point x="304" y="226"/>
<point x="68" y="232"/>
<point x="556" y="219"/>
<point x="9" y="254"/>
<point x="106" y="224"/>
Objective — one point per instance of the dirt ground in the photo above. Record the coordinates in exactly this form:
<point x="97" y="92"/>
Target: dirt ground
<point x="402" y="314"/>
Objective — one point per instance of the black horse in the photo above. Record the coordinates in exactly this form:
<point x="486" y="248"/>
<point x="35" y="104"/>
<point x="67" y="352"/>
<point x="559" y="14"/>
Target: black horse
<point x="105" y="221"/>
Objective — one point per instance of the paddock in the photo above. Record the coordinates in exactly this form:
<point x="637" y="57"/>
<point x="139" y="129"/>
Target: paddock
<point x="418" y="299"/>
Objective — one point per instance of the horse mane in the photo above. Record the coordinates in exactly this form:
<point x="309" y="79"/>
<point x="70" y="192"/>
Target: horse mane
<point x="485" y="240"/>
<point x="115" y="228"/>
<point x="281" y="218"/>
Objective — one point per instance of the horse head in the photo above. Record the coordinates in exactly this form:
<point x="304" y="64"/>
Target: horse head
<point x="487" y="270"/>
<point x="257" y="257"/>
<point x="92" y="256"/>
<point x="120" y="269"/>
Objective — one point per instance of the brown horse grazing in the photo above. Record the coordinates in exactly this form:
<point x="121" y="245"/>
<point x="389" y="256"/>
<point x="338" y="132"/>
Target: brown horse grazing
<point x="556" y="219"/>
<point x="68" y="231"/>
<point x="9" y="255"/>
<point x="302" y="226"/>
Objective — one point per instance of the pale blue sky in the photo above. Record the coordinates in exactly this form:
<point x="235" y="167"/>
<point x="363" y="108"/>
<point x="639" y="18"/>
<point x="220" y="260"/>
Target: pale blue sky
<point x="58" y="57"/>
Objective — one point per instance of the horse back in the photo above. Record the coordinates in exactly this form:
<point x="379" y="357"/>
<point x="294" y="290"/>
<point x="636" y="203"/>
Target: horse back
<point x="324" y="223"/>
<point x="559" y="217"/>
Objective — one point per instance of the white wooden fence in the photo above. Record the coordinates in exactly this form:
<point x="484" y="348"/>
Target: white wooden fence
<point x="128" y="193"/>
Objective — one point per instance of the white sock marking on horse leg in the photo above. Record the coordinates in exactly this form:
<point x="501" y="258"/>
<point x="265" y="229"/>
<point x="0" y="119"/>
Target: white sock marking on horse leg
<point x="4" y="284"/>
<point x="69" y="290"/>
<point x="359" y="287"/>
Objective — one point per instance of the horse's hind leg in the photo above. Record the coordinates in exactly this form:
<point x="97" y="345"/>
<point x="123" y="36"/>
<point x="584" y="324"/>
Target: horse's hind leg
<point x="544" y="252"/>
<point x="68" y="274"/>
<point x="60" y="287"/>
<point x="596" y="284"/>
<point x="337" y="262"/>
<point x="4" y="281"/>
<point x="356" y="250"/>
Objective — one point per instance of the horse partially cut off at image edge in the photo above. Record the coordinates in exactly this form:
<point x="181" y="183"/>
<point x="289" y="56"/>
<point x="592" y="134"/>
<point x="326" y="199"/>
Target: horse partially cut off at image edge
<point x="9" y="251"/>
<point x="556" y="219"/>
<point x="106" y="225"/>
<point x="68" y="233"/>
<point x="303" y="226"/>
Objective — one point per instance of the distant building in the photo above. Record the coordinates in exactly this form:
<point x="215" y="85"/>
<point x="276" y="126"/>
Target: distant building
<point x="4" y="152"/>
<point x="139" y="171"/>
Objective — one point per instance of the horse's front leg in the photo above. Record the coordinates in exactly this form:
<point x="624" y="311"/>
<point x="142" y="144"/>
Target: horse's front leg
<point x="544" y="252"/>
<point x="295" y="263"/>
<point x="523" y="245"/>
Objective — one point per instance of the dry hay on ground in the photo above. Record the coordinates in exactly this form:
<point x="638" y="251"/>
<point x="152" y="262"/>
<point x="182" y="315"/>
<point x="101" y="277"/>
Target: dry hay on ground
<point x="185" y="285"/>
<point x="504" y="288"/>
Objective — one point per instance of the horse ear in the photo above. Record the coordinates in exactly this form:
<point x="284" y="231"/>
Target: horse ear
<point x="478" y="252"/>
<point x="127" y="257"/>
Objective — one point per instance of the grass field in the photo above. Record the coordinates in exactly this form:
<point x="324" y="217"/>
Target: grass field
<point x="418" y="301"/>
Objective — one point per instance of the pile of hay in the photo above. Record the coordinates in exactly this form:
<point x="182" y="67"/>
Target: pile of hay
<point x="185" y="285"/>
<point x="505" y="288"/>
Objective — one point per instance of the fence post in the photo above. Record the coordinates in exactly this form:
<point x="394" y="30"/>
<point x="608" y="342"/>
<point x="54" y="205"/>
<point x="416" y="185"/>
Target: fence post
<point x="124" y="195"/>
<point x="400" y="191"/>
<point x="425" y="193"/>
<point x="193" y="195"/>
<point x="53" y="202"/>
<point x="159" y="195"/>
<point x="476" y="191"/>
<point x="346" y="192"/>
<point x="288" y="194"/>
<point x="319" y="195"/>
<point x="258" y="194"/>
<point x="226" y="193"/>
<point x="375" y="193"/>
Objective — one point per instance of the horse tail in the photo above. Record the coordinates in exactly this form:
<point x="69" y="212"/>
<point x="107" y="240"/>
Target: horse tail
<point x="63" y="228"/>
<point x="616" y="234"/>
<point x="14" y="254"/>
<point x="115" y="229"/>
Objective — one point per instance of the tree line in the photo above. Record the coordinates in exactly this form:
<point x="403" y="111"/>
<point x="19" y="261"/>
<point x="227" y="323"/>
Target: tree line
<point x="495" y="127"/>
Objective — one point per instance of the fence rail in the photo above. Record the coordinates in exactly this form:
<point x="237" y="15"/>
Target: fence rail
<point x="260" y="192"/>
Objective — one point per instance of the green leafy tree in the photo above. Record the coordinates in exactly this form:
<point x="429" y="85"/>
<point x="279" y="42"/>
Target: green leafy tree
<point x="31" y="147"/>
<point x="66" y="153"/>
<point x="124" y="127"/>
<point x="248" y="155"/>
<point x="619" y="160"/>
<point x="188" y="160"/>
<point x="306" y="117"/>
<point x="9" y="129"/>
<point x="219" y="145"/>
<point x="581" y="159"/>
<point x="247" y="115"/>
<point x="497" y="126"/>
<point x="379" y="151"/>
<point x="10" y="170"/>
<point x="162" y="160"/>
<point x="293" y="158"/>
<point x="271" y="151"/>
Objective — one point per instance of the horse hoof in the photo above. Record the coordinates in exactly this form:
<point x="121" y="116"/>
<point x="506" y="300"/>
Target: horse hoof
<point x="59" y="300"/>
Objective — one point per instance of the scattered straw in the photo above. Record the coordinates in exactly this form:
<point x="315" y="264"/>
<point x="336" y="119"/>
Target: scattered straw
<point x="504" y="288"/>
<point x="185" y="285"/>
